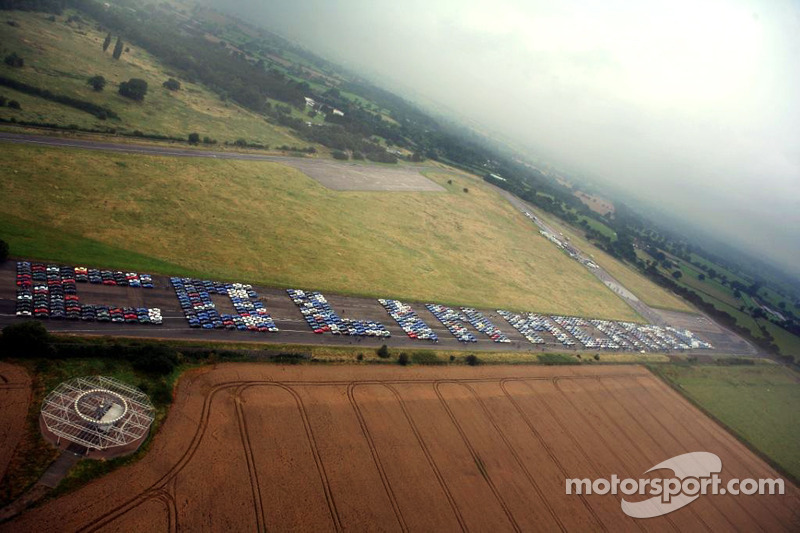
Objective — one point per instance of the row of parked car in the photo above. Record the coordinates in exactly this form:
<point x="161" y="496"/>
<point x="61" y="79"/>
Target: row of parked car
<point x="484" y="325"/>
<point x="452" y="320"/>
<point x="577" y="328"/>
<point x="321" y="317"/>
<point x="194" y="297"/>
<point x="408" y="319"/>
<point x="524" y="325"/>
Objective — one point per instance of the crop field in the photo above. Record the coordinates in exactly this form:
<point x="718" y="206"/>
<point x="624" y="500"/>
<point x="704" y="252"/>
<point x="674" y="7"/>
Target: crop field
<point x="757" y="402"/>
<point x="269" y="224"/>
<point x="334" y="448"/>
<point x="61" y="56"/>
<point x="14" y="397"/>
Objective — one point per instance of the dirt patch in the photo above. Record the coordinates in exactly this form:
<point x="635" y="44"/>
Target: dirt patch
<point x="15" y="393"/>
<point x="362" y="177"/>
<point x="252" y="446"/>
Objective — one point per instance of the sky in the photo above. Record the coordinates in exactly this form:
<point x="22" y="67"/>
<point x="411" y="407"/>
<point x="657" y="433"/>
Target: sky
<point x="693" y="107"/>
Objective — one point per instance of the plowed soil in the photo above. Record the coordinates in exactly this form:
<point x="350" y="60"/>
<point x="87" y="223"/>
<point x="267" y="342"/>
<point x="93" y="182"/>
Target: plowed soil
<point x="262" y="447"/>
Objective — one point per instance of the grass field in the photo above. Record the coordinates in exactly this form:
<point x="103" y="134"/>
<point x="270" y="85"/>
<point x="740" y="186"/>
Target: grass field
<point x="643" y="288"/>
<point x="267" y="223"/>
<point x="61" y="56"/>
<point x="759" y="403"/>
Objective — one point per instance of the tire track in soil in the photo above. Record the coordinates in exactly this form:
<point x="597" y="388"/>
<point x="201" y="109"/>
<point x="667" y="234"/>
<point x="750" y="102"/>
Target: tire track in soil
<point x="515" y="455"/>
<point x="620" y="431"/>
<point x="251" y="467"/>
<point x="713" y="430"/>
<point x="108" y="517"/>
<point x="660" y="445"/>
<point x="474" y="454"/>
<point x="428" y="456"/>
<point x="573" y="439"/>
<point x="387" y="486"/>
<point x="590" y="424"/>
<point x="547" y="448"/>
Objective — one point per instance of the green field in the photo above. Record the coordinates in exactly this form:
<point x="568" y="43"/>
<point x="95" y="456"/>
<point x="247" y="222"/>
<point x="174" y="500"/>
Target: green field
<point x="643" y="288"/>
<point x="61" y="56"/>
<point x="759" y="403"/>
<point x="268" y="223"/>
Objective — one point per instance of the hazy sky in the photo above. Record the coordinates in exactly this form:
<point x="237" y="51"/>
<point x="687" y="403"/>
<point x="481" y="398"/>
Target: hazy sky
<point x="692" y="105"/>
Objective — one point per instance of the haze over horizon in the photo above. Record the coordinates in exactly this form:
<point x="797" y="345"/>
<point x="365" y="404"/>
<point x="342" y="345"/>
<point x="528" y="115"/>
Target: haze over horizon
<point x="689" y="105"/>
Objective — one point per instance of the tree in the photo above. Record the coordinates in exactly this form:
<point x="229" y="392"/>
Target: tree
<point x="117" y="48"/>
<point x="13" y="104"/>
<point x="701" y="277"/>
<point x="98" y="83"/>
<point x="402" y="359"/>
<point x="472" y="360"/>
<point x="383" y="352"/>
<point x="28" y="339"/>
<point x="338" y="154"/>
<point x="466" y="190"/>
<point x="194" y="138"/>
<point x="677" y="274"/>
<point x="13" y="60"/>
<point x="3" y="251"/>
<point x="134" y="88"/>
<point x="172" y="84"/>
<point x="3" y="101"/>
<point x="107" y="42"/>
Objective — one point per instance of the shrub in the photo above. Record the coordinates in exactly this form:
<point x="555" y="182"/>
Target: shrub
<point x="3" y="251"/>
<point x="13" y="104"/>
<point x="338" y="154"/>
<point x="402" y="359"/>
<point x="172" y="84"/>
<point x="13" y="60"/>
<point x="194" y="138"/>
<point x="472" y="360"/>
<point x="360" y="357"/>
<point x="134" y="88"/>
<point x="383" y="352"/>
<point x="153" y="359"/>
<point x="98" y="83"/>
<point x="466" y="190"/>
<point x="3" y="101"/>
<point x="28" y="339"/>
<point x="597" y="357"/>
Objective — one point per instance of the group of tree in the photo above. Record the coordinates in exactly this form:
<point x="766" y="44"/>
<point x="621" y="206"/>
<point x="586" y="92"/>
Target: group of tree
<point x="13" y="104"/>
<point x="134" y="88"/>
<point x="89" y="107"/>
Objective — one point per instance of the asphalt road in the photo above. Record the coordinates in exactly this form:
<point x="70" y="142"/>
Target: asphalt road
<point x="144" y="149"/>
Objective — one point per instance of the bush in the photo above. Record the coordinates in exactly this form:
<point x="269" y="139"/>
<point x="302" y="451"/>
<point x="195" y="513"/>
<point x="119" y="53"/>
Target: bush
<point x="194" y="138"/>
<point x="402" y="360"/>
<point x="597" y="357"/>
<point x="98" y="83"/>
<point x="3" y="251"/>
<point x="3" y="101"/>
<point x="88" y="107"/>
<point x="466" y="190"/>
<point x="172" y="84"/>
<point x="153" y="359"/>
<point x="26" y="339"/>
<point x="13" y="60"/>
<point x="360" y="357"/>
<point x="472" y="360"/>
<point x="383" y="352"/>
<point x="338" y="154"/>
<point x="13" y="104"/>
<point x="134" y="88"/>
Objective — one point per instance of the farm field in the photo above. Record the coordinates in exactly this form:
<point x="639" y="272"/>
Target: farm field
<point x="417" y="449"/>
<point x="757" y="402"/>
<point x="61" y="56"/>
<point x="269" y="224"/>
<point x="643" y="288"/>
<point x="14" y="397"/>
